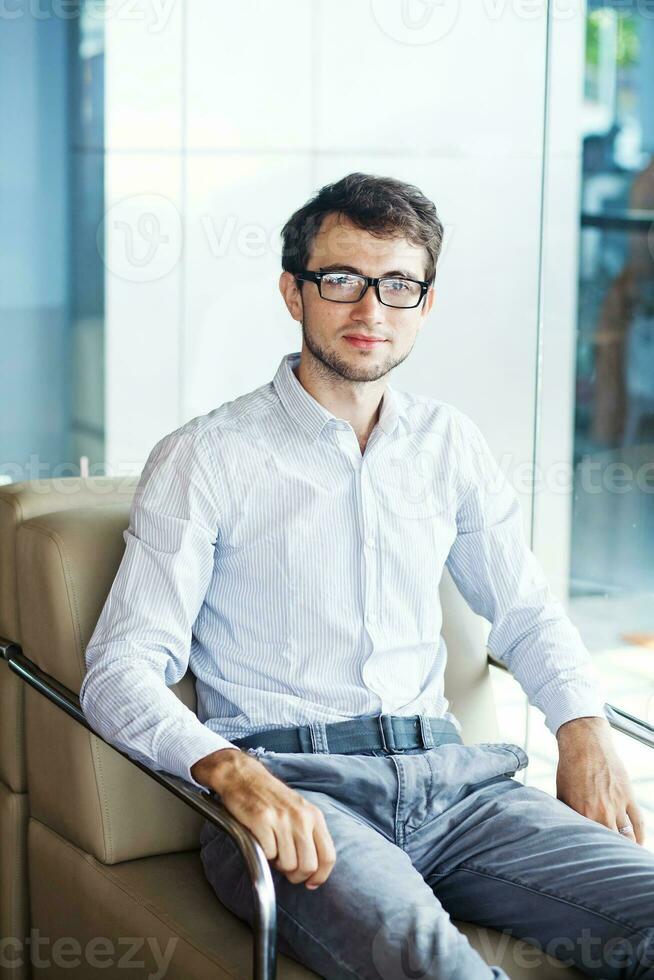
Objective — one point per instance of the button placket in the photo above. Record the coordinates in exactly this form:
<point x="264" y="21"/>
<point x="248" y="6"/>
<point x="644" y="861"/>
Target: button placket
<point x="370" y="567"/>
<point x="369" y="557"/>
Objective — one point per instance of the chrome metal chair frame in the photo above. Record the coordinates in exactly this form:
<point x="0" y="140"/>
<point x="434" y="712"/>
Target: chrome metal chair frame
<point x="264" y="958"/>
<point x="264" y="954"/>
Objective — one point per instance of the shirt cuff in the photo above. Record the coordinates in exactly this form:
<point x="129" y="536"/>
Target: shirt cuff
<point x="187" y="750"/>
<point x="569" y="705"/>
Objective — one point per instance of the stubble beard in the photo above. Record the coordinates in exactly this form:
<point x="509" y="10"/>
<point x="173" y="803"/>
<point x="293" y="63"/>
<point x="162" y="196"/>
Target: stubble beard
<point x="329" y="365"/>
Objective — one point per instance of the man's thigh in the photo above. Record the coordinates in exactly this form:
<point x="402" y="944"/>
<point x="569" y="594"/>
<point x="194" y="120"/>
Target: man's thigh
<point x="512" y="857"/>
<point x="374" y="917"/>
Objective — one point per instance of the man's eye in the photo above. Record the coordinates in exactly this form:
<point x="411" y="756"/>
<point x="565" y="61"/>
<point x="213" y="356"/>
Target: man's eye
<point x="396" y="285"/>
<point x="340" y="280"/>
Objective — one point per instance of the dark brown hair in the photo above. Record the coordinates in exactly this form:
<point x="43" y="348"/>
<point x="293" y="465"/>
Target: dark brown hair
<point x="383" y="206"/>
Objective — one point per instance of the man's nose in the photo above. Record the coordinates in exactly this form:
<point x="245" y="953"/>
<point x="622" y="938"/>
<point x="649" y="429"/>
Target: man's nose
<point x="368" y="308"/>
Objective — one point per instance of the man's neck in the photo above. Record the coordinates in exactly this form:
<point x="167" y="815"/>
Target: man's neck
<point x="361" y="411"/>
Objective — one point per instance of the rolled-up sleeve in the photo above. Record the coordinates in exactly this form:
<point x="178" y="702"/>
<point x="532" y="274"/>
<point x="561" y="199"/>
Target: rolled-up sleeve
<point x="500" y="578"/>
<point x="141" y="643"/>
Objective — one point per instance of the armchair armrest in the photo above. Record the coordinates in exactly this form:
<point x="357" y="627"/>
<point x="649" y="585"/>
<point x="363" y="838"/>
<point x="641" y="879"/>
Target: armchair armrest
<point x="630" y="725"/>
<point x="264" y="960"/>
<point x="621" y="720"/>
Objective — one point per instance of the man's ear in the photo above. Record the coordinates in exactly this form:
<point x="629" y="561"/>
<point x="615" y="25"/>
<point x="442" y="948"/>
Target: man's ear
<point x="425" y="307"/>
<point x="428" y="301"/>
<point x="290" y="290"/>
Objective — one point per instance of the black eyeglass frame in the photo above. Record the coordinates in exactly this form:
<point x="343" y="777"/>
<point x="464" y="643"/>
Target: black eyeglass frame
<point x="307" y="276"/>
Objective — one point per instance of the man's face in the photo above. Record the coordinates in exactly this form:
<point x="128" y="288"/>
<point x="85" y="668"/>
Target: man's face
<point x="325" y="325"/>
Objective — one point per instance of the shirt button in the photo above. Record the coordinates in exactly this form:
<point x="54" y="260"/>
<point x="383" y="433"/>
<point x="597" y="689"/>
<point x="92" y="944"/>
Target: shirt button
<point x="370" y="542"/>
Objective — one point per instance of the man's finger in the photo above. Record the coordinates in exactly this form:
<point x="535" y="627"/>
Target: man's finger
<point x="637" y="821"/>
<point x="621" y="824"/>
<point x="326" y="855"/>
<point x="286" y="853"/>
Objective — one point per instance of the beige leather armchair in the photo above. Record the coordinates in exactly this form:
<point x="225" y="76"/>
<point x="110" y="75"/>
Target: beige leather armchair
<point x="101" y="874"/>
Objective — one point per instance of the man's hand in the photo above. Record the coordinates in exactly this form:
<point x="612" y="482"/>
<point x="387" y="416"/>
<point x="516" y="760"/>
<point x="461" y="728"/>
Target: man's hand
<point x="291" y="830"/>
<point x="591" y="778"/>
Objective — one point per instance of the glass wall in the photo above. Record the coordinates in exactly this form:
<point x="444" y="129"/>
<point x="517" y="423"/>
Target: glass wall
<point x="594" y="530"/>
<point x="612" y="563"/>
<point x="51" y="295"/>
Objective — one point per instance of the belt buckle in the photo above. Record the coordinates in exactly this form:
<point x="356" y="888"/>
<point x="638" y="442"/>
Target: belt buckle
<point x="386" y="731"/>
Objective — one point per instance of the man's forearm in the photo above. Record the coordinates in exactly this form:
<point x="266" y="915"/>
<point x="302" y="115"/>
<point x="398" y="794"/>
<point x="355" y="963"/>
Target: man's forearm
<point x="212" y="770"/>
<point x="582" y="729"/>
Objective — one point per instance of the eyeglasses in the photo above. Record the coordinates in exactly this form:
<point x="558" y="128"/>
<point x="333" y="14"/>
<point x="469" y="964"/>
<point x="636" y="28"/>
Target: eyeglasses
<point x="350" y="287"/>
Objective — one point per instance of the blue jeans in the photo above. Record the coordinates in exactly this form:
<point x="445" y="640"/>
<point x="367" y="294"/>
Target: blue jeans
<point x="425" y="834"/>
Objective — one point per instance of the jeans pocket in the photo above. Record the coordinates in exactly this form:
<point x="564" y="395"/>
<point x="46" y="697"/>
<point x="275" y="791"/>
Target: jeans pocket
<point x="458" y="770"/>
<point x="507" y="757"/>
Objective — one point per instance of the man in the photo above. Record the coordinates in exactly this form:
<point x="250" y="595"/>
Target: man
<point x="289" y="547"/>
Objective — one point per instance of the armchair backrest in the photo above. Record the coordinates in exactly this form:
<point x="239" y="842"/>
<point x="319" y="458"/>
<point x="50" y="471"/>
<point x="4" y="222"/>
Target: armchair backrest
<point x="20" y="502"/>
<point x="468" y="686"/>
<point x="79" y="786"/>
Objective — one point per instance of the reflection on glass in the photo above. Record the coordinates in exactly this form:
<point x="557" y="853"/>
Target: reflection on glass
<point x="87" y="271"/>
<point x="612" y="567"/>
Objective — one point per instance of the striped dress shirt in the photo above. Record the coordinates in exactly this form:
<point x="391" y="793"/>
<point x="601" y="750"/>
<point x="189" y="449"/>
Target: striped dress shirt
<point x="298" y="578"/>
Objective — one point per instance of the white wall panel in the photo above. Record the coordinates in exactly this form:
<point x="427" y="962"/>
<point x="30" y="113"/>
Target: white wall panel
<point x="237" y="327"/>
<point x="248" y="74"/>
<point x="141" y="240"/>
<point x="450" y="79"/>
<point x="143" y="75"/>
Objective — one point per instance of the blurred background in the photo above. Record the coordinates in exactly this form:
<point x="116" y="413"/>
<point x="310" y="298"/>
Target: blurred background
<point x="151" y="151"/>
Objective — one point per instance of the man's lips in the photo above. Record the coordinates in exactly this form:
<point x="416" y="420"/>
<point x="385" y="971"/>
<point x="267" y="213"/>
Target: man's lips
<point x="357" y="340"/>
